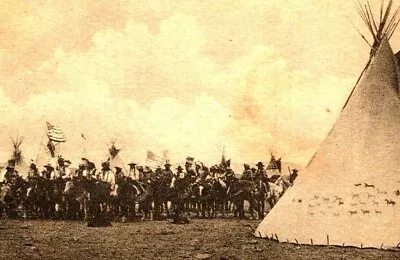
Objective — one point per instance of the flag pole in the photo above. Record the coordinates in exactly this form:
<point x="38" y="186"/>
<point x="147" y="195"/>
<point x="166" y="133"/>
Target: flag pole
<point x="40" y="147"/>
<point x="84" y="145"/>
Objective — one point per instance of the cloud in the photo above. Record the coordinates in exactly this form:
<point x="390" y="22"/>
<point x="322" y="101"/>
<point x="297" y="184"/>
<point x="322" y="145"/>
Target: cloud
<point x="284" y="111"/>
<point x="256" y="76"/>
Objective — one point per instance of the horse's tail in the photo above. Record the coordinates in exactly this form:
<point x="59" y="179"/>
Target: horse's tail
<point x="172" y="185"/>
<point x="222" y="183"/>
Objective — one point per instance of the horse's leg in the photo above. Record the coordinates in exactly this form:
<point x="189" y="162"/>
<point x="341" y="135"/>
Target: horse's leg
<point x="171" y="207"/>
<point x="157" y="209"/>
<point x="165" y="207"/>
<point x="262" y="207"/>
<point x="241" y="208"/>
<point x="145" y="209"/>
<point x="142" y="209"/>
<point x="271" y="202"/>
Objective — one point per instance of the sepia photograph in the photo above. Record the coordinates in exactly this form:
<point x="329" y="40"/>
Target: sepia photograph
<point x="244" y="129"/>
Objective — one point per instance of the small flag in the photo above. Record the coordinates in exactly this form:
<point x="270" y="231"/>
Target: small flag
<point x="154" y="161"/>
<point x="55" y="133"/>
<point x="274" y="164"/>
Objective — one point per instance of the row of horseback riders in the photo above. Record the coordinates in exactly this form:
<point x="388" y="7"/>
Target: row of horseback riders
<point x="86" y="193"/>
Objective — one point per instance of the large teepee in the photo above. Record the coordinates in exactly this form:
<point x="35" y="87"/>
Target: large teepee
<point x="349" y="194"/>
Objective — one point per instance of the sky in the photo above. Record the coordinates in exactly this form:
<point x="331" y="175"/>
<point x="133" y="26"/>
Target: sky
<point x="190" y="77"/>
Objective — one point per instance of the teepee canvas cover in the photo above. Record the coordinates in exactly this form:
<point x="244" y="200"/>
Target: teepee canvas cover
<point x="349" y="193"/>
<point x="273" y="167"/>
<point x="18" y="158"/>
<point x="114" y="158"/>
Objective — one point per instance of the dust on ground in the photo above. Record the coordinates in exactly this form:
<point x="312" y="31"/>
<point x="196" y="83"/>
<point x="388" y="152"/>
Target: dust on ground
<point x="201" y="239"/>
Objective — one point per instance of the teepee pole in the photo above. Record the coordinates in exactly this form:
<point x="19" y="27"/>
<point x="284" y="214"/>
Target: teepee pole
<point x="40" y="147"/>
<point x="372" y="17"/>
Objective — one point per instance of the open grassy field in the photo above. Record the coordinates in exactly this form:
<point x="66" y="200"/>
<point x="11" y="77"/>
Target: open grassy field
<point x="201" y="239"/>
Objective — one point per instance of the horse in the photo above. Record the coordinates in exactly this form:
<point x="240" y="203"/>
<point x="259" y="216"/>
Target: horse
<point x="58" y="186"/>
<point x="99" y="193"/>
<point x="260" y="195"/>
<point x="38" y="198"/>
<point x="246" y="190"/>
<point x="276" y="190"/>
<point x="76" y="197"/>
<point x="12" y="195"/>
<point x="126" y="195"/>
<point x="181" y="194"/>
<point x="146" y="198"/>
<point x="162" y="194"/>
<point x="203" y="192"/>
<point x="221" y="198"/>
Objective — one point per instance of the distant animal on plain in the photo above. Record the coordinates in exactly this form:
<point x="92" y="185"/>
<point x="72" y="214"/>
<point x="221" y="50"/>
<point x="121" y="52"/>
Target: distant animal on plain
<point x="366" y="185"/>
<point x="390" y="202"/>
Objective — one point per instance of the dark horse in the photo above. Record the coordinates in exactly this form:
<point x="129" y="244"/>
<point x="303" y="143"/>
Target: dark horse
<point x="12" y="196"/>
<point x="124" y="201"/>
<point x="245" y="190"/>
<point x="162" y="194"/>
<point x="76" y="197"/>
<point x="39" y="197"/>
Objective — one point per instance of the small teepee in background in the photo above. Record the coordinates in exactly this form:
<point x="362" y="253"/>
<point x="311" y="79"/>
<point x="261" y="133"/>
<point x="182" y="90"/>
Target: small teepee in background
<point x="17" y="156"/>
<point x="113" y="156"/>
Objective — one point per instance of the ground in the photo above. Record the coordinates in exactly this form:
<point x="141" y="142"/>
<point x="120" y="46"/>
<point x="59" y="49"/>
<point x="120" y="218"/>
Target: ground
<point x="201" y="239"/>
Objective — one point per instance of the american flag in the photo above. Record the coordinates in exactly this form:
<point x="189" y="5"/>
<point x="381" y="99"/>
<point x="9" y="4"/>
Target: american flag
<point x="274" y="164"/>
<point x="154" y="161"/>
<point x="55" y="133"/>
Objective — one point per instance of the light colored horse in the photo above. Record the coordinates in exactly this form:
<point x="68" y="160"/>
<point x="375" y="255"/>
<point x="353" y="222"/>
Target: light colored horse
<point x="277" y="189"/>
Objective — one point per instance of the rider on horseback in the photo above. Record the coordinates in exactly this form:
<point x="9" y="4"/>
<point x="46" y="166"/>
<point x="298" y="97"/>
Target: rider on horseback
<point x="167" y="172"/>
<point x="119" y="175"/>
<point x="10" y="175"/>
<point x="33" y="172"/>
<point x="135" y="176"/>
<point x="107" y="175"/>
<point x="247" y="173"/>
<point x="261" y="173"/>
<point x="49" y="172"/>
<point x="181" y="183"/>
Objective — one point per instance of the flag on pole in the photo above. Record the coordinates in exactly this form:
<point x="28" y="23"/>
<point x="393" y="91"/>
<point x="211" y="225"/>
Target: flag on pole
<point x="154" y="161"/>
<point x="272" y="165"/>
<point x="55" y="133"/>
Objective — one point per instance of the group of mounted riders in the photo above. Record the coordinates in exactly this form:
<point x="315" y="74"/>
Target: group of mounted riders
<point x="87" y="193"/>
